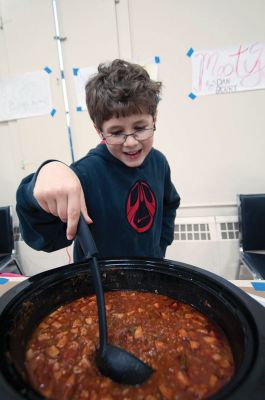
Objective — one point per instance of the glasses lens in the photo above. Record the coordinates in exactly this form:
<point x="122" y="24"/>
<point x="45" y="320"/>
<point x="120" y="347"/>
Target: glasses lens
<point x="144" y="134"/>
<point x="115" y="139"/>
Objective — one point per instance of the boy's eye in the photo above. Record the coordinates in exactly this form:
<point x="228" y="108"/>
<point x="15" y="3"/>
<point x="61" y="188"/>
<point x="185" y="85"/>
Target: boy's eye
<point x="119" y="133"/>
<point x="140" y="129"/>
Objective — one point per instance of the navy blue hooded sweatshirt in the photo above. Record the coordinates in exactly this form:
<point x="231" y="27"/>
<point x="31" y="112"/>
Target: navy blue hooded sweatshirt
<point x="133" y="209"/>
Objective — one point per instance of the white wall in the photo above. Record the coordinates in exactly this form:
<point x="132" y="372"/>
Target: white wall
<point x="214" y="144"/>
<point x="27" y="45"/>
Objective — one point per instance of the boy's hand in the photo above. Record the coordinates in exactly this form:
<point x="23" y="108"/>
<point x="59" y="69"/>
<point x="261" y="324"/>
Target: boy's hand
<point x="59" y="192"/>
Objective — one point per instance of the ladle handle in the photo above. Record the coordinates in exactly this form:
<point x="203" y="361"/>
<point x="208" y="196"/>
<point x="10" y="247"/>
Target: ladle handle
<point x="85" y="239"/>
<point x="89" y="248"/>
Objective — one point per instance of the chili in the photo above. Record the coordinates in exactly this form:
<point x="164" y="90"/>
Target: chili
<point x="189" y="353"/>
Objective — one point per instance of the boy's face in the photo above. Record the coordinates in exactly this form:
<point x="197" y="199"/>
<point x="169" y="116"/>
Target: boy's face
<point x="132" y="152"/>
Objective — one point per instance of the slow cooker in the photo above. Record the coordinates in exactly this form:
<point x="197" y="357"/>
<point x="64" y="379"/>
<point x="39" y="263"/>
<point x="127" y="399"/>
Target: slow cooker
<point x="240" y="317"/>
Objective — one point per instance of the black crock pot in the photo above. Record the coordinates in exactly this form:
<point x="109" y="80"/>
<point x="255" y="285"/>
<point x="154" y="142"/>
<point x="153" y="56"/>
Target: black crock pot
<point x="240" y="317"/>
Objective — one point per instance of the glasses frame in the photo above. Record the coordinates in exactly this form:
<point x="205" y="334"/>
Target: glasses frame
<point x="125" y="136"/>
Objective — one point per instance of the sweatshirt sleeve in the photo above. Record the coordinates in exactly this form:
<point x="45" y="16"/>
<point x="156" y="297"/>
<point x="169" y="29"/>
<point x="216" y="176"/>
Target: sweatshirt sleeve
<point x="39" y="229"/>
<point x="170" y="205"/>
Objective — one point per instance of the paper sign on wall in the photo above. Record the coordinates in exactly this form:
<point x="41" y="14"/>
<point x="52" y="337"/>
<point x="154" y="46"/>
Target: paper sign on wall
<point x="26" y="95"/>
<point x="81" y="76"/>
<point x="220" y="71"/>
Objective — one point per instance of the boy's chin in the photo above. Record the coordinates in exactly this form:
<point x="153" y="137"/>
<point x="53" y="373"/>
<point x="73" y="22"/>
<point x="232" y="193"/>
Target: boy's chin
<point x="133" y="162"/>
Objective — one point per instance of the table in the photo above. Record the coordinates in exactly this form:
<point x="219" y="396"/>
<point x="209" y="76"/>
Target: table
<point x="9" y="280"/>
<point x="256" y="288"/>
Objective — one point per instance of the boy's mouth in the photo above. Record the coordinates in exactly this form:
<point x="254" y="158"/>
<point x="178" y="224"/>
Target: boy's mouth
<point x="133" y="154"/>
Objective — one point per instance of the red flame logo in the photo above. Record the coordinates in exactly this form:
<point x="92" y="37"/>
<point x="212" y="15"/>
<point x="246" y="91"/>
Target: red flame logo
<point x="141" y="207"/>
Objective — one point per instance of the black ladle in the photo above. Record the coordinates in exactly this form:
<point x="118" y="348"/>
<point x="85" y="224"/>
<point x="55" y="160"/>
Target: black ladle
<point x="112" y="361"/>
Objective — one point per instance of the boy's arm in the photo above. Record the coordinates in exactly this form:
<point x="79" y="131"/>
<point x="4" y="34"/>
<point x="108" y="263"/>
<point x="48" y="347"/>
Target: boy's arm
<point x="39" y="229"/>
<point x="48" y="206"/>
<point x="171" y="203"/>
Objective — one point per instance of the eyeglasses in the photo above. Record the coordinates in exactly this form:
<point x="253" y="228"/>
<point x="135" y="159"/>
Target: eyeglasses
<point x="139" y="134"/>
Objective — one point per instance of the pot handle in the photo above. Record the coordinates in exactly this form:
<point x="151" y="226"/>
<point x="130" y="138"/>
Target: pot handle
<point x="85" y="238"/>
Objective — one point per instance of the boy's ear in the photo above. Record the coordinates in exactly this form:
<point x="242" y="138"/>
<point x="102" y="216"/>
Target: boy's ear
<point x="155" y="117"/>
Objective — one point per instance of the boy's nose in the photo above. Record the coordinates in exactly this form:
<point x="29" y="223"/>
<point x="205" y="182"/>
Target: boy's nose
<point x="130" y="141"/>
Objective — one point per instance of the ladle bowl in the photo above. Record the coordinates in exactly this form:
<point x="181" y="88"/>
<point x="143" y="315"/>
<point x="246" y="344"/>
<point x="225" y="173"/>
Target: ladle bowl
<point x="122" y="366"/>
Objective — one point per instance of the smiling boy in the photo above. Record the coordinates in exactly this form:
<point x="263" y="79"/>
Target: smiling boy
<point x="125" y="147"/>
<point x="123" y="185"/>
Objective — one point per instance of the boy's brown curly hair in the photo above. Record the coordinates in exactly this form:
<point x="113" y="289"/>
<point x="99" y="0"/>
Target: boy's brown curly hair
<point x="120" y="89"/>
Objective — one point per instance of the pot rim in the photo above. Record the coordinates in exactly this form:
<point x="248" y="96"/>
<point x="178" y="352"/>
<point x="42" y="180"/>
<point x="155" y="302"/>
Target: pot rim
<point x="233" y="298"/>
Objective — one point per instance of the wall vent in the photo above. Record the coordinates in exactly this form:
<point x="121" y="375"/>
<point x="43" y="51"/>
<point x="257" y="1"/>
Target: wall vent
<point x="206" y="228"/>
<point x="227" y="227"/>
<point x="194" y="228"/>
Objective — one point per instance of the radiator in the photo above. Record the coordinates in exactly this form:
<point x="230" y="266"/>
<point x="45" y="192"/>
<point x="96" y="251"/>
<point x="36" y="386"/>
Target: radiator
<point x="207" y="242"/>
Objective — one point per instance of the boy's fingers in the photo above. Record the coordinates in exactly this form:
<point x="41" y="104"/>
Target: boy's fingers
<point x="43" y="205"/>
<point x="84" y="209"/>
<point x="73" y="215"/>
<point x="52" y="205"/>
<point x="71" y="227"/>
<point x="62" y="209"/>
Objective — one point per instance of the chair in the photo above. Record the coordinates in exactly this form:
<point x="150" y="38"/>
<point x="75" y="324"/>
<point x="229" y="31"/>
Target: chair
<point x="7" y="243"/>
<point x="251" y="218"/>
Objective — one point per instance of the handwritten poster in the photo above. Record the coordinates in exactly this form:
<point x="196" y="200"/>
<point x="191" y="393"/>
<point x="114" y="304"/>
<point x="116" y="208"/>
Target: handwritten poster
<point x="222" y="71"/>
<point x="26" y="95"/>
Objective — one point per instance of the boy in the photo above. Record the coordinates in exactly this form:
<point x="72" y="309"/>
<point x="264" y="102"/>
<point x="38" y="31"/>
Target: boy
<point x="123" y="185"/>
